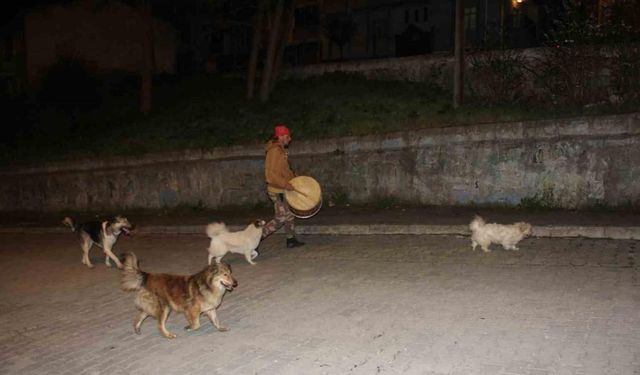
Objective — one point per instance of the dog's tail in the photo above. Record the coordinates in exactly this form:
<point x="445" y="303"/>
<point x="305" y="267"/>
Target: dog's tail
<point x="216" y="229"/>
<point x="476" y="223"/>
<point x="70" y="223"/>
<point x="132" y="277"/>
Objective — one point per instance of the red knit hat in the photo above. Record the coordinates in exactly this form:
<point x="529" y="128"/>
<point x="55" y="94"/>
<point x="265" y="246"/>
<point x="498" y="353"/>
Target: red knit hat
<point x="280" y="129"/>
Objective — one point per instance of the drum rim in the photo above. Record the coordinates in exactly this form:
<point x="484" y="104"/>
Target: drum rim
<point x="306" y="216"/>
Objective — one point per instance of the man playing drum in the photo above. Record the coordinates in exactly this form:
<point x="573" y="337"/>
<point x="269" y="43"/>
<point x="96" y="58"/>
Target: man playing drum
<point x="277" y="174"/>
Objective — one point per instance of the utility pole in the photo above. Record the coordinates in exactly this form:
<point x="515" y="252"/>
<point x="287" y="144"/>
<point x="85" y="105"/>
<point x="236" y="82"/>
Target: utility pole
<point x="599" y="12"/>
<point x="458" y="64"/>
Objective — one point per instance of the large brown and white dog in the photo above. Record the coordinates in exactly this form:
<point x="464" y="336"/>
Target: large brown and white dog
<point x="159" y="294"/>
<point x="242" y="242"/>
<point x="508" y="236"/>
<point x="103" y="234"/>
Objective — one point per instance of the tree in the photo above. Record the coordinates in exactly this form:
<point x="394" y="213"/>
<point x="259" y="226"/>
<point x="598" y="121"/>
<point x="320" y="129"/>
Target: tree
<point x="274" y="34"/>
<point x="255" y="47"/>
<point x="289" y="25"/>
<point x="279" y="26"/>
<point x="458" y="65"/>
<point x="147" y="68"/>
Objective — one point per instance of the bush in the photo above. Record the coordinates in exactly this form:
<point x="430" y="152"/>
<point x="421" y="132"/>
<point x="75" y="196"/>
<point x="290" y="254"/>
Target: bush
<point x="590" y="61"/>
<point x="498" y="75"/>
<point x="625" y="72"/>
<point x="624" y="18"/>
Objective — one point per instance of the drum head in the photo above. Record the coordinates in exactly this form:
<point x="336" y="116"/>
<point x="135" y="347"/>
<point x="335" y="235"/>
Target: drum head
<point x="306" y="200"/>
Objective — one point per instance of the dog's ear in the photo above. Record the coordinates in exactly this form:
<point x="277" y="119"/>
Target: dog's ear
<point x="213" y="271"/>
<point x="123" y="219"/>
<point x="213" y="267"/>
<point x="525" y="228"/>
<point x="222" y="266"/>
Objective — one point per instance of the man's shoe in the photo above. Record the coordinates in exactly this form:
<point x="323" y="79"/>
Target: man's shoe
<point x="293" y="242"/>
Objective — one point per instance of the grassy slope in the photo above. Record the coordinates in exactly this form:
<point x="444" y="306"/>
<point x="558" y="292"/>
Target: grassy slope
<point x="209" y="111"/>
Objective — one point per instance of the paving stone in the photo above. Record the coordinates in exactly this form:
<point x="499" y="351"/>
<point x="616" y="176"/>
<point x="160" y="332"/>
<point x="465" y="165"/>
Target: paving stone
<point x="396" y="304"/>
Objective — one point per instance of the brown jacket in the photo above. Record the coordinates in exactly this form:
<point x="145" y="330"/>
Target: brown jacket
<point x="277" y="172"/>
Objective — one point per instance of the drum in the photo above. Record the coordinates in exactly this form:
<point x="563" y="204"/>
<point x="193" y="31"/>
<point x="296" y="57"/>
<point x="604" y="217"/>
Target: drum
<point x="306" y="198"/>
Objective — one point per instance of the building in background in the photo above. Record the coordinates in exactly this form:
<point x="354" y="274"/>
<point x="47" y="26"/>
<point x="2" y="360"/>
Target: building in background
<point x="104" y="38"/>
<point x="393" y="28"/>
<point x="334" y="30"/>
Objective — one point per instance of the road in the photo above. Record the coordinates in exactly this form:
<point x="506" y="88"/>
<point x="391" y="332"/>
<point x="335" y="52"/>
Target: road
<point x="339" y="305"/>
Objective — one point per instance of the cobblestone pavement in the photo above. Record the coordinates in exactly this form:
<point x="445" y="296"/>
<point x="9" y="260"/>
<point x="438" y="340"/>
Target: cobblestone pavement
<point x="340" y="305"/>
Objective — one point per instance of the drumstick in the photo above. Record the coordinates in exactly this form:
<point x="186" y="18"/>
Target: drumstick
<point x="298" y="191"/>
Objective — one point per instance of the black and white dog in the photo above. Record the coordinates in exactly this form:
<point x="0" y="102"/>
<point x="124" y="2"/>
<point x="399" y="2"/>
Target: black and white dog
<point x="102" y="233"/>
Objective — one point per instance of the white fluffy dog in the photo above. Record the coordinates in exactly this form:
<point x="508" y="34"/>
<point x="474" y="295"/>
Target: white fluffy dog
<point x="507" y="235"/>
<point x="242" y="242"/>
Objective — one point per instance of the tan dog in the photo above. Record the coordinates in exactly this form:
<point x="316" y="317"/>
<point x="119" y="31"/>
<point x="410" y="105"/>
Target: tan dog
<point x="507" y="235"/>
<point x="192" y="295"/>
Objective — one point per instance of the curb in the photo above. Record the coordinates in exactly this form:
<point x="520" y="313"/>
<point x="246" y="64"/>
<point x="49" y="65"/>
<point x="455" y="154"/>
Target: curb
<point x="551" y="231"/>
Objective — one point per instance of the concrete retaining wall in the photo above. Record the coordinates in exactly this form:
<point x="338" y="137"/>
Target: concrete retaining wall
<point x="566" y="163"/>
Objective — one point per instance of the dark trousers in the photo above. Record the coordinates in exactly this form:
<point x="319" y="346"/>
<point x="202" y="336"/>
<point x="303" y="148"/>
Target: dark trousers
<point x="283" y="216"/>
